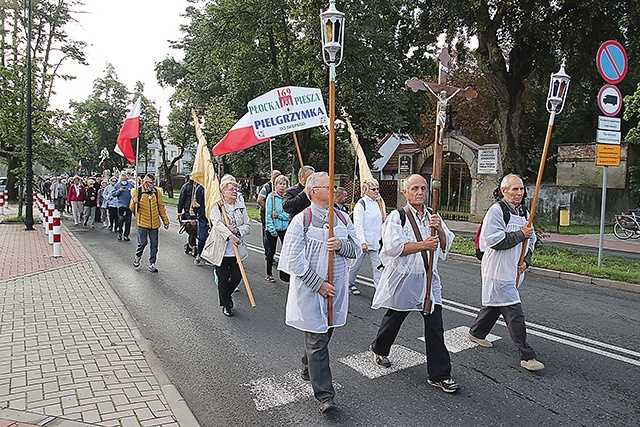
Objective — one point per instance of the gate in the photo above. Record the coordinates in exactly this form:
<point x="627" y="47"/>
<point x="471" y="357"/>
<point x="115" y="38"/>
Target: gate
<point x="455" y="194"/>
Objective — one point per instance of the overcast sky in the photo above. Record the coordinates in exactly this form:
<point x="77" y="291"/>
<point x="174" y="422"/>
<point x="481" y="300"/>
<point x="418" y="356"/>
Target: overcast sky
<point x="132" y="35"/>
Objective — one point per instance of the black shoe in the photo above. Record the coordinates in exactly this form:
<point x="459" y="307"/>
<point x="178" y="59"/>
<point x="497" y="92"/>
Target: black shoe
<point x="187" y="249"/>
<point x="227" y="311"/>
<point x="327" y="406"/>
<point x="119" y="237"/>
<point x="304" y="374"/>
<point x="379" y="359"/>
<point x="126" y="239"/>
<point x="448" y="386"/>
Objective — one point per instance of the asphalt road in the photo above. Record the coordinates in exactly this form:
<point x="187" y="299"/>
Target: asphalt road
<point x="244" y="370"/>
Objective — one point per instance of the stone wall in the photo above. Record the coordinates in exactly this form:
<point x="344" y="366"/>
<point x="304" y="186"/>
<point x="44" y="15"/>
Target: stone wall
<point x="584" y="203"/>
<point x="576" y="166"/>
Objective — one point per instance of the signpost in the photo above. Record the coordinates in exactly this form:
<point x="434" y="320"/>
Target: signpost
<point x="287" y="109"/>
<point x="488" y="160"/>
<point x="610" y="100"/>
<point x="612" y="63"/>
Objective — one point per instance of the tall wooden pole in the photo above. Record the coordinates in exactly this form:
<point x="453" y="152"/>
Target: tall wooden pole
<point x="332" y="135"/>
<point x="295" y="140"/>
<point x="443" y="94"/>
<point x="534" y="202"/>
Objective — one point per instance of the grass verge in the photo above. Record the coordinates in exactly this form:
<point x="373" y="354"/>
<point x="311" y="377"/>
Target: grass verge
<point x="569" y="260"/>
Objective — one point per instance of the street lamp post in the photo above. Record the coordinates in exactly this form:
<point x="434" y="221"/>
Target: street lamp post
<point x="332" y="26"/>
<point x="28" y="220"/>
<point x="558" y="87"/>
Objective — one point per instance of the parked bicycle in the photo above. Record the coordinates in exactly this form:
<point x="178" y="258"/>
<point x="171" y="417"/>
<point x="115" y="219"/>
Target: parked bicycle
<point x="627" y="225"/>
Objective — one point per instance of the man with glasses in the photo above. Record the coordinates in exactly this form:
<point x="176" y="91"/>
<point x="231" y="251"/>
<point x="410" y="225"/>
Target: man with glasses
<point x="367" y="219"/>
<point x="148" y="207"/>
<point x="305" y="257"/>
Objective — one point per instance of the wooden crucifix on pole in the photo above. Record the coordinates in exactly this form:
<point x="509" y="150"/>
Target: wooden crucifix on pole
<point x="443" y="94"/>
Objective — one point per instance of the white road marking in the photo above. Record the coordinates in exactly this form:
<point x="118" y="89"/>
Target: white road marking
<point x="272" y="392"/>
<point x="532" y="328"/>
<point x="456" y="339"/>
<point x="400" y="357"/>
<point x="551" y="334"/>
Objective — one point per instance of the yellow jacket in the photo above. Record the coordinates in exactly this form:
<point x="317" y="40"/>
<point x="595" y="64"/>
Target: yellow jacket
<point x="150" y="212"/>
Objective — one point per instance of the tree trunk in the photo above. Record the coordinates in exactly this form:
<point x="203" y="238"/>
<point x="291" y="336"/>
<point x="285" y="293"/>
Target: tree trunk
<point x="13" y="163"/>
<point x="508" y="83"/>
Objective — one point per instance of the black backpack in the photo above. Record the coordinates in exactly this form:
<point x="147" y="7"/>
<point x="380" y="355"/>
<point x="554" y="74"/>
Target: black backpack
<point x="506" y="215"/>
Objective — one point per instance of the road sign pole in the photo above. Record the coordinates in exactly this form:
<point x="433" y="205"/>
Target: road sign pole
<point x="603" y="208"/>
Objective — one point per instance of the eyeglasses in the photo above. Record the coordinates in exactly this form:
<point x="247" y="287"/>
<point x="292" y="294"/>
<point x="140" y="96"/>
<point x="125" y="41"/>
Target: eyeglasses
<point x="374" y="189"/>
<point x="321" y="186"/>
<point x="232" y="190"/>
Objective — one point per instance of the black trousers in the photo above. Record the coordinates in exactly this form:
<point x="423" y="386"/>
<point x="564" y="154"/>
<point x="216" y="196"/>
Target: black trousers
<point x="228" y="279"/>
<point x="438" y="360"/>
<point x="513" y="317"/>
<point x="113" y="218"/>
<point x="272" y="242"/>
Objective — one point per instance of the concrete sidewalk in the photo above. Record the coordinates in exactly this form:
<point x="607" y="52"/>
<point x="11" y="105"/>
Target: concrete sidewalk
<point x="70" y="354"/>
<point x="610" y="242"/>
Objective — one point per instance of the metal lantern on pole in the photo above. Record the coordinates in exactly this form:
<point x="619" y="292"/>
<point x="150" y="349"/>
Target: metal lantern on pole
<point x="332" y="27"/>
<point x="558" y="88"/>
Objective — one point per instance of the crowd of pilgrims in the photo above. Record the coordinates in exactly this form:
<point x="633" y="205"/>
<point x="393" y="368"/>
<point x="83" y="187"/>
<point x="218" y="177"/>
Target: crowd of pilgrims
<point x="297" y="215"/>
<point x="90" y="201"/>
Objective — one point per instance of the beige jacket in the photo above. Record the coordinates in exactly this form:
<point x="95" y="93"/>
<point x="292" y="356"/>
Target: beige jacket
<point x="220" y="233"/>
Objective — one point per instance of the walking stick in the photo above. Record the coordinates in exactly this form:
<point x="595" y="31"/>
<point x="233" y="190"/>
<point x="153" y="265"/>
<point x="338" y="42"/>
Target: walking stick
<point x="235" y="251"/>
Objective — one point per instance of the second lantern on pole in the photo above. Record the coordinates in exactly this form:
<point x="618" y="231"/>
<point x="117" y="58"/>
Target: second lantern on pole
<point x="332" y="27"/>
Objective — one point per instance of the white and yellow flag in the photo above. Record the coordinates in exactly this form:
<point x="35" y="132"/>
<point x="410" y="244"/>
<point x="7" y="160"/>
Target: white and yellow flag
<point x="363" y="166"/>
<point x="203" y="171"/>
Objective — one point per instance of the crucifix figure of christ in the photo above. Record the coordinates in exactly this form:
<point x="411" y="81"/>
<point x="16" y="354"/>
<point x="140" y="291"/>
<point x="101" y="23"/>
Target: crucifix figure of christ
<point x="443" y="94"/>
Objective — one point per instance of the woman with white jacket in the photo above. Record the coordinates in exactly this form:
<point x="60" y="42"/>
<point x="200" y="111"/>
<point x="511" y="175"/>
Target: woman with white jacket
<point x="226" y="236"/>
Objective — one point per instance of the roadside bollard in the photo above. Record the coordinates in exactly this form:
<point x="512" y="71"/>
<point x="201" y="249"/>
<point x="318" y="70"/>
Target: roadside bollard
<point x="50" y="222"/>
<point x="57" y="246"/>
<point x="2" y="205"/>
<point x="45" y="216"/>
<point x="5" y="196"/>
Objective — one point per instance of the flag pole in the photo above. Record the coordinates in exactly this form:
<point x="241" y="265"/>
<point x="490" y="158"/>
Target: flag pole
<point x="135" y="173"/>
<point x="273" y="181"/>
<point x="223" y="209"/>
<point x="295" y="140"/>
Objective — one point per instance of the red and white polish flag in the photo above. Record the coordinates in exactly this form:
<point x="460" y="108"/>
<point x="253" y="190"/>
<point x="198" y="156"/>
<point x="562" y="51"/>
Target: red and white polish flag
<point x="240" y="137"/>
<point x="130" y="129"/>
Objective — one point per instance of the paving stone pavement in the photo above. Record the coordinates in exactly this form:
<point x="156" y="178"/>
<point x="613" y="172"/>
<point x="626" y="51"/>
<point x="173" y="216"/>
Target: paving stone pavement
<point x="70" y="354"/>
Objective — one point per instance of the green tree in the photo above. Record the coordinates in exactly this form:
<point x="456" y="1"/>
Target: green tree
<point x="236" y="50"/>
<point x="101" y="116"/>
<point x="50" y="47"/>
<point x="519" y="45"/>
<point x="632" y="116"/>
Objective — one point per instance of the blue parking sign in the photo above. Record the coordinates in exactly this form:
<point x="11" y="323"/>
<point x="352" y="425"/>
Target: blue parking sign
<point x="612" y="62"/>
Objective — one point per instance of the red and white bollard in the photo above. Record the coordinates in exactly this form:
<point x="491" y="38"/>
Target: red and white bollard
<point x="6" y="197"/>
<point x="57" y="246"/>
<point x="2" y="205"/>
<point x="50" y="222"/>
<point x="45" y="216"/>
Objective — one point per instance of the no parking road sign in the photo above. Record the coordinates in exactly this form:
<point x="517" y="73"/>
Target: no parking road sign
<point x="612" y="62"/>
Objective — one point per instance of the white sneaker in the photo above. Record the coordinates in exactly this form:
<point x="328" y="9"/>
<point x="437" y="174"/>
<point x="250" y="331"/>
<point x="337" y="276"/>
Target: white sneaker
<point x="481" y="342"/>
<point x="198" y="261"/>
<point x="136" y="261"/>
<point x="532" y="365"/>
